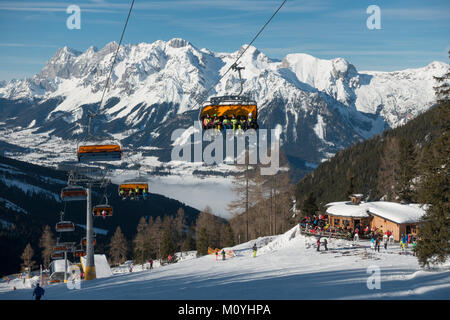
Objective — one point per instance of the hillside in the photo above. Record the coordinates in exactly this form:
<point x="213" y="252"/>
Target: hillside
<point x="30" y="199"/>
<point x="287" y="267"/>
<point x="378" y="167"/>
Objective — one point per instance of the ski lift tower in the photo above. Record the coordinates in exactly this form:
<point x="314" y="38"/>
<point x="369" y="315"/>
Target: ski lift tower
<point x="89" y="177"/>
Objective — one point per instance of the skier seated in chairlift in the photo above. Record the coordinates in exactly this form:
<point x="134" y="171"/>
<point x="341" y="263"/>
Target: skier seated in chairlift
<point x="122" y="193"/>
<point x="234" y="122"/>
<point x="144" y="193"/>
<point x="251" y="122"/>
<point x="217" y="123"/>
<point x="104" y="214"/>
<point x="207" y="122"/>
<point x="226" y="123"/>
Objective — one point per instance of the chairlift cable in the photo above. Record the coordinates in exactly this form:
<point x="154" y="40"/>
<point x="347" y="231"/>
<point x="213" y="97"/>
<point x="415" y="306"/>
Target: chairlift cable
<point x="234" y="65"/>
<point x="115" y="55"/>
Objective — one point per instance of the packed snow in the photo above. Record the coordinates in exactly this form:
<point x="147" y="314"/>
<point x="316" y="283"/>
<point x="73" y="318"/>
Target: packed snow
<point x="286" y="267"/>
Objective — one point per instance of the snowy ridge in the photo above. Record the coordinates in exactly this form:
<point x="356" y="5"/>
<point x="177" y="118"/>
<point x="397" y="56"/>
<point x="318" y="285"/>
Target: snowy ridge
<point x="318" y="106"/>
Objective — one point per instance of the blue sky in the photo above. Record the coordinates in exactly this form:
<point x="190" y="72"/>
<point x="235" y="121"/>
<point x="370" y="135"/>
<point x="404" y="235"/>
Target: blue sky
<point x="413" y="33"/>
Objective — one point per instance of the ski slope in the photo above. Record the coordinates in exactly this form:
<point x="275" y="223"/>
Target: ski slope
<point x="287" y="267"/>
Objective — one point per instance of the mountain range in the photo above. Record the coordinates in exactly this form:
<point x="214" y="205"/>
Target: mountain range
<point x="322" y="106"/>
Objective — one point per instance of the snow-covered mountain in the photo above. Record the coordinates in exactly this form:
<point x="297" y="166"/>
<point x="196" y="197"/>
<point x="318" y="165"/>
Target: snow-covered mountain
<point x="322" y="106"/>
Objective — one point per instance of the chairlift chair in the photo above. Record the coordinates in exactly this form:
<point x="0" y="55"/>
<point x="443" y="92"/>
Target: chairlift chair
<point x="128" y="189"/>
<point x="102" y="210"/>
<point x="89" y="152"/>
<point x="65" y="226"/>
<point x="73" y="193"/>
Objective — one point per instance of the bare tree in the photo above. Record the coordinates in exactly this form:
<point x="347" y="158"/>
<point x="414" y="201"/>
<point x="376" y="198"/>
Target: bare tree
<point x="27" y="258"/>
<point x="118" y="247"/>
<point x="47" y="243"/>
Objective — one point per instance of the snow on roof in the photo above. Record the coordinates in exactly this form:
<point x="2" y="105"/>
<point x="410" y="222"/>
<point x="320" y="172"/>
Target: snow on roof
<point x="347" y="209"/>
<point x="396" y="212"/>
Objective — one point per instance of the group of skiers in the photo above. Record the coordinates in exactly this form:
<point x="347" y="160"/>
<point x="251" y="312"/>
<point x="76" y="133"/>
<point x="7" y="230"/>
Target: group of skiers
<point x="315" y="223"/>
<point x="133" y="194"/>
<point x="233" y="122"/>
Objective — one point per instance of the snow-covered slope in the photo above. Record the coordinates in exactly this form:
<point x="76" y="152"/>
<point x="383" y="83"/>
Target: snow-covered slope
<point x="322" y="106"/>
<point x="286" y="267"/>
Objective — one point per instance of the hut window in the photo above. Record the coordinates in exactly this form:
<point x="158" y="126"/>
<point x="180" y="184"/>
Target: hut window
<point x="337" y="222"/>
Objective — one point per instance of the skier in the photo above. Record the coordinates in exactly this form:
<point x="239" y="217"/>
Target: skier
<point x="170" y="258"/>
<point x="377" y="244"/>
<point x="223" y="254"/>
<point x="38" y="292"/>
<point x="254" y="250"/>
<point x="217" y="255"/>
<point x="151" y="263"/>
<point x="356" y="236"/>
<point x="318" y="244"/>
<point x="325" y="242"/>
<point x="372" y="243"/>
<point x="391" y="239"/>
<point x="385" y="241"/>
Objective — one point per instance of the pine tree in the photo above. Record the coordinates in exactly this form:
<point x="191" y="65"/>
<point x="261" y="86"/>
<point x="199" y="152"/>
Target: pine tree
<point x="47" y="243"/>
<point x="27" y="258"/>
<point x="179" y="223"/>
<point x="140" y="244"/>
<point x="309" y="206"/>
<point x="389" y="170"/>
<point x="167" y="239"/>
<point x="154" y="237"/>
<point x="228" y="236"/>
<point x="189" y="242"/>
<point x="350" y="189"/>
<point x="407" y="171"/>
<point x="433" y="244"/>
<point x="202" y="242"/>
<point x="118" y="247"/>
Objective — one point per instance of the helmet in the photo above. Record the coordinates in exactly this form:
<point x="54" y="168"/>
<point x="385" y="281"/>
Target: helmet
<point x="250" y="114"/>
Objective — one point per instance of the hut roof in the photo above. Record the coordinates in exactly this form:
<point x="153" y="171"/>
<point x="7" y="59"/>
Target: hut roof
<point x="396" y="212"/>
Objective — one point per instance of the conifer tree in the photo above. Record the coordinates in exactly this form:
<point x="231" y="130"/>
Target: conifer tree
<point x="189" y="242"/>
<point x="167" y="238"/>
<point x="202" y="242"/>
<point x="433" y="245"/>
<point x="228" y="236"/>
<point x="140" y="244"/>
<point x="309" y="206"/>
